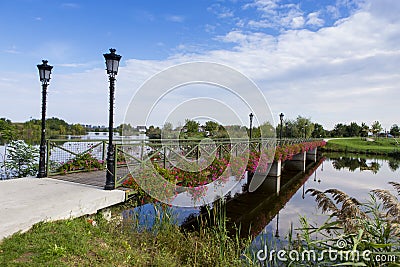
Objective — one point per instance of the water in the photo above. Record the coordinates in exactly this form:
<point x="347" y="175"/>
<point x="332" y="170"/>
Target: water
<point x="265" y="213"/>
<point x="353" y="175"/>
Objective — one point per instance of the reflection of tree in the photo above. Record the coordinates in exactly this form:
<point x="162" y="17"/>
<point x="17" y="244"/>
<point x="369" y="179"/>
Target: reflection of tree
<point x="374" y="167"/>
<point x="394" y="164"/>
<point x="354" y="163"/>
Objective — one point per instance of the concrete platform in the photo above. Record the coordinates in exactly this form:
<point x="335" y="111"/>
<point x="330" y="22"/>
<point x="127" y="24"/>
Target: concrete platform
<point x="26" y="201"/>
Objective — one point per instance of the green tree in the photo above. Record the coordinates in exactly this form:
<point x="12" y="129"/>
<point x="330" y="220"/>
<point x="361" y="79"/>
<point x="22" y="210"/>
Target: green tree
<point x="319" y="131"/>
<point x="364" y="129"/>
<point x="376" y="127"/>
<point x="211" y="127"/>
<point x="353" y="129"/>
<point x="153" y="132"/>
<point x="168" y="131"/>
<point x="192" y="126"/>
<point x="7" y="131"/>
<point x="339" y="130"/>
<point x="395" y="130"/>
<point x="22" y="159"/>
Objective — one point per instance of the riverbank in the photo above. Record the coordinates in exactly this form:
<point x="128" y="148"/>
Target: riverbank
<point x="94" y="241"/>
<point x="372" y="146"/>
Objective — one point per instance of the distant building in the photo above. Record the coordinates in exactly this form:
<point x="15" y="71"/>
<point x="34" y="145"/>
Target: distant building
<point x="141" y="128"/>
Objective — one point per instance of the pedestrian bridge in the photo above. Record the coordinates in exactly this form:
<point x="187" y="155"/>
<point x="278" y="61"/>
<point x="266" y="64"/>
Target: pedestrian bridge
<point x="84" y="161"/>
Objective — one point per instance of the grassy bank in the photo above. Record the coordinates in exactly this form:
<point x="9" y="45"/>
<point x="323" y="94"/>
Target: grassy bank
<point x="81" y="242"/>
<point x="380" y="146"/>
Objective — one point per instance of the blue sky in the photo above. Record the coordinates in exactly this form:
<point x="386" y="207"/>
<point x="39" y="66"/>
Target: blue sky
<point x="333" y="61"/>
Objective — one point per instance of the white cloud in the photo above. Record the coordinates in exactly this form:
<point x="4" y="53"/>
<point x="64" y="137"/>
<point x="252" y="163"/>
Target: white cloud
<point x="175" y="18"/>
<point x="314" y="19"/>
<point x="342" y="73"/>
<point x="220" y="11"/>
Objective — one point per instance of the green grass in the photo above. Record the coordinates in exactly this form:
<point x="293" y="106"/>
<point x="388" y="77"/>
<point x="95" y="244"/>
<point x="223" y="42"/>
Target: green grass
<point x="383" y="146"/>
<point x="77" y="242"/>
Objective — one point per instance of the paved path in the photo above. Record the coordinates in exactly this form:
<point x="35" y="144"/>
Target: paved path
<point x="26" y="201"/>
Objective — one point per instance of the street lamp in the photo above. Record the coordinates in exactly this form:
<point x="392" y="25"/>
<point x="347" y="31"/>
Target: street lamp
<point x="44" y="74"/>
<point x="112" y="63"/>
<point x="305" y="131"/>
<point x="251" y="124"/>
<point x="280" y="132"/>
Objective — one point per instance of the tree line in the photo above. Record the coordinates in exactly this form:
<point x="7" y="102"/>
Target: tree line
<point x="301" y="127"/>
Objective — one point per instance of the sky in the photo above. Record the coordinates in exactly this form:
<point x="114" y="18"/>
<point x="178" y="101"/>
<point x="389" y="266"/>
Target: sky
<point x="333" y="61"/>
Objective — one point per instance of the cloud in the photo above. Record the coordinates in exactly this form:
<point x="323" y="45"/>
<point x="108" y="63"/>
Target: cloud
<point x="70" y="5"/>
<point x="313" y="19"/>
<point x="12" y="50"/>
<point x="220" y="11"/>
<point x="175" y="18"/>
<point x="340" y="73"/>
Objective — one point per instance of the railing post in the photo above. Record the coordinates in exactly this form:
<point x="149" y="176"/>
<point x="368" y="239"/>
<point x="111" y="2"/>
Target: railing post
<point x="47" y="157"/>
<point x="165" y="157"/>
<point x="103" y="156"/>
<point x="115" y="165"/>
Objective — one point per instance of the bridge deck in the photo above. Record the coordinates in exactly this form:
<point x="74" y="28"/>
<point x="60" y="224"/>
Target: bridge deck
<point x="94" y="178"/>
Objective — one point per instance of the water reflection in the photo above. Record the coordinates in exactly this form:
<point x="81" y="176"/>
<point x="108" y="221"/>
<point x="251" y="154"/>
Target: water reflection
<point x="276" y="206"/>
<point x="353" y="164"/>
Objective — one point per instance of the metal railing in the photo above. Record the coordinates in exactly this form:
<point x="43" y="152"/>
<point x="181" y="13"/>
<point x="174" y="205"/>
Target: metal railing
<point x="60" y="153"/>
<point x="129" y="157"/>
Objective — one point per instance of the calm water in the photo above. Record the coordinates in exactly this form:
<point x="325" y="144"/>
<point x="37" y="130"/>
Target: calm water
<point x="258" y="212"/>
<point x="350" y="174"/>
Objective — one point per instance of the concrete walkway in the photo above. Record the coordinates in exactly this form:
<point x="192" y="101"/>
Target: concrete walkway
<point x="26" y="201"/>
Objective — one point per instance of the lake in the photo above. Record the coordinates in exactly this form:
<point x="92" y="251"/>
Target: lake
<point x="266" y="213"/>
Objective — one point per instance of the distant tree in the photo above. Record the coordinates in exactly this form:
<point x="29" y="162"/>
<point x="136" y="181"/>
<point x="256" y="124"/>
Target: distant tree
<point x="153" y="132"/>
<point x="376" y="127"/>
<point x="192" y="126"/>
<point x="339" y="130"/>
<point x="318" y="131"/>
<point x="353" y="130"/>
<point x="78" y="129"/>
<point x="168" y="131"/>
<point x="395" y="130"/>
<point x="7" y="131"/>
<point x="211" y="127"/>
<point x="127" y="129"/>
<point x="364" y="129"/>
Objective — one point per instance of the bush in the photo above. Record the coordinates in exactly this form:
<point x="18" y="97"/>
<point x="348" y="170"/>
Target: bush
<point x="22" y="159"/>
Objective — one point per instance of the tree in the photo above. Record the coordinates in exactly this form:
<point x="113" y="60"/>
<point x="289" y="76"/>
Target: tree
<point x="339" y="130"/>
<point x="353" y="130"/>
<point x="318" y="131"/>
<point x="376" y="127"/>
<point x="395" y="130"/>
<point x="211" y="127"/>
<point x="168" y="131"/>
<point x="153" y="133"/>
<point x="364" y="129"/>
<point x="7" y="131"/>
<point x="22" y="159"/>
<point x="192" y="126"/>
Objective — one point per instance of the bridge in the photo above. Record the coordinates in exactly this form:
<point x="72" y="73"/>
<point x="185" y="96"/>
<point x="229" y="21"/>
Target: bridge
<point x="76" y="172"/>
<point x="83" y="161"/>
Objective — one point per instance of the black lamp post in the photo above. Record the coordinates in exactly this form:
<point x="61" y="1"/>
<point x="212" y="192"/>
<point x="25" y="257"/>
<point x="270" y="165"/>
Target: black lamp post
<point x="44" y="74"/>
<point x="112" y="63"/>
<point x="305" y="131"/>
<point x="280" y="132"/>
<point x="277" y="226"/>
<point x="251" y="124"/>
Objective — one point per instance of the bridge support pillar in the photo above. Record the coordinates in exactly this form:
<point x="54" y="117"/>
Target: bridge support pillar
<point x="297" y="163"/>
<point x="276" y="169"/>
<point x="273" y="184"/>
<point x="312" y="155"/>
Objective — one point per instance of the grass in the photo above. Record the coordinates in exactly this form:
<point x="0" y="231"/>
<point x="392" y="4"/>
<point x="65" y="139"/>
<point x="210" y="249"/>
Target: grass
<point x="77" y="242"/>
<point x="381" y="146"/>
